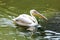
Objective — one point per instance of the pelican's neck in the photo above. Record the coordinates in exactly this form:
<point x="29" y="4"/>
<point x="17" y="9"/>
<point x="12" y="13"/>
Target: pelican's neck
<point x="31" y="12"/>
<point x="34" y="18"/>
<point x="32" y="15"/>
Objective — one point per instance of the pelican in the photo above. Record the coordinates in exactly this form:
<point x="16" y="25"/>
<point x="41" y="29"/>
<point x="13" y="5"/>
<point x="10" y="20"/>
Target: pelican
<point x="29" y="20"/>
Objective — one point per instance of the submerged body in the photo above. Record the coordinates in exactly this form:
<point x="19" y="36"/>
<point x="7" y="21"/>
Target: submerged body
<point x="29" y="20"/>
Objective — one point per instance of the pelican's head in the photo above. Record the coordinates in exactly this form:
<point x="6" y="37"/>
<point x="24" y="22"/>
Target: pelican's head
<point x="36" y="13"/>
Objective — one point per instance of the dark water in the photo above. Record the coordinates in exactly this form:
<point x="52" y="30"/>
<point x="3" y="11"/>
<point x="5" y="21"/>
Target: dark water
<point x="10" y="9"/>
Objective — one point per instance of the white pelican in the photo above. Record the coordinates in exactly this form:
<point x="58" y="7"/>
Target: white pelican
<point x="29" y="20"/>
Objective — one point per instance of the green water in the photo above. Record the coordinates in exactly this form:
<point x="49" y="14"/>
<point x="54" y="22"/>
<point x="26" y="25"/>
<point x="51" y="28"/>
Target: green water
<point x="10" y="9"/>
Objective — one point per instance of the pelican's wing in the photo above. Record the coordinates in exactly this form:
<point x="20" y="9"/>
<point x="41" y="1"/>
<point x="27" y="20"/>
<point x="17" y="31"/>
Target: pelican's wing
<point x="22" y="23"/>
<point x="34" y="19"/>
<point x="25" y="19"/>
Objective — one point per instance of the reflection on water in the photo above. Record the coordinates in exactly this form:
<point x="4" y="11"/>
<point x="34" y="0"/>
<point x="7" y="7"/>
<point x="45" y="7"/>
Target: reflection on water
<point x="8" y="31"/>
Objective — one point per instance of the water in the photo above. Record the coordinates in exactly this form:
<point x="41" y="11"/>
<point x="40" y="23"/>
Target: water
<point x="10" y="9"/>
